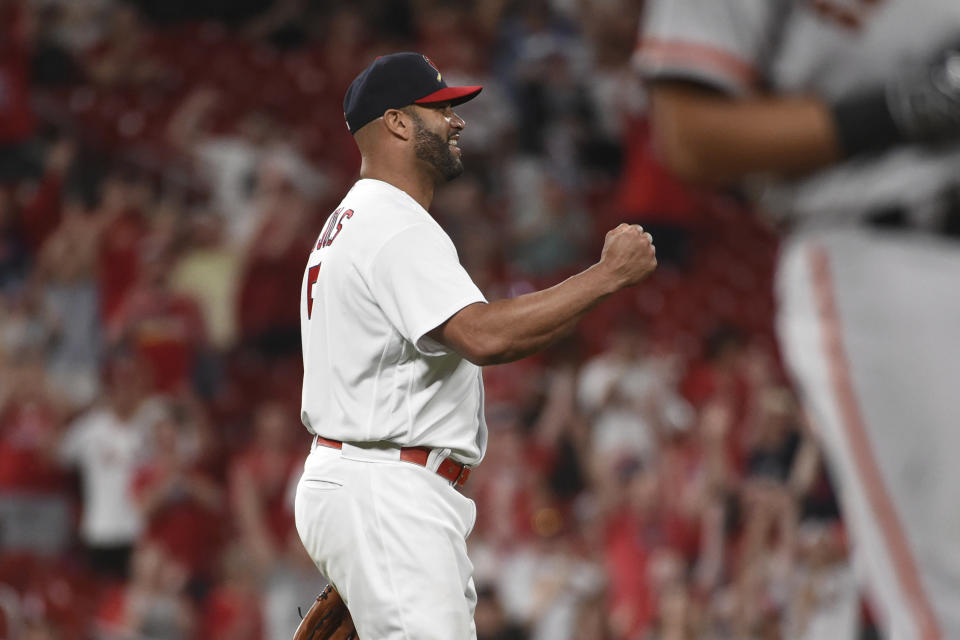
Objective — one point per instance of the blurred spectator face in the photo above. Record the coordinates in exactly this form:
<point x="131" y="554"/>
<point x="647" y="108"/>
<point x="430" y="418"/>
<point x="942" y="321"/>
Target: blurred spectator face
<point x="346" y="25"/>
<point x="643" y="489"/>
<point x="153" y="569"/>
<point x="275" y="181"/>
<point x="556" y="197"/>
<point x="28" y="378"/>
<point x="146" y="567"/>
<point x="507" y="442"/>
<point x="155" y="265"/>
<point x="439" y="22"/>
<point x="113" y="194"/>
<point x="820" y="544"/>
<point x="628" y="341"/>
<point x="465" y="57"/>
<point x="489" y="617"/>
<point x="259" y="128"/>
<point x="125" y="21"/>
<point x="725" y="346"/>
<point x="463" y="198"/>
<point x="75" y="211"/>
<point x="557" y="72"/>
<point x="778" y="413"/>
<point x="536" y="15"/>
<point x="666" y="568"/>
<point x="173" y="575"/>
<point x="236" y="568"/>
<point x="140" y="192"/>
<point x="24" y="334"/>
<point x="120" y="193"/>
<point x="165" y="438"/>
<point x="126" y="381"/>
<point x="272" y="427"/>
<point x="206" y="230"/>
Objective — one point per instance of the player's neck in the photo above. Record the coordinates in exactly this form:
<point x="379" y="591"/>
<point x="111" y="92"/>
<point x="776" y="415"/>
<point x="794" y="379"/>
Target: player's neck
<point x="416" y="185"/>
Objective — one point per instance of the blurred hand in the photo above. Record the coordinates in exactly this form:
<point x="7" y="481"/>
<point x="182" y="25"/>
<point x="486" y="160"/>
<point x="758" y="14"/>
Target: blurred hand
<point x="925" y="100"/>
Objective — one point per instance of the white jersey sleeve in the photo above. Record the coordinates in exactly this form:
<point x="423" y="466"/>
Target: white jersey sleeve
<point x="418" y="281"/>
<point x="720" y="43"/>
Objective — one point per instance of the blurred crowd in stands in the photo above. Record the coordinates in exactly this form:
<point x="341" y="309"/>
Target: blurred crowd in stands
<point x="164" y="169"/>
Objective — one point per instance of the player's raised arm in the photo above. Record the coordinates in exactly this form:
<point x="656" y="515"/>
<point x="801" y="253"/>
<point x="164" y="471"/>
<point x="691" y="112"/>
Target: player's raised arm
<point x="507" y="330"/>
<point x="708" y="137"/>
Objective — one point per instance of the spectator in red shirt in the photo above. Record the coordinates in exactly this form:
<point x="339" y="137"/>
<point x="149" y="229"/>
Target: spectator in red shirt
<point x="41" y="202"/>
<point x="730" y="379"/>
<point x="124" y="232"/>
<point x="260" y="479"/>
<point x="164" y="327"/>
<point x="273" y="266"/>
<point x="152" y="604"/>
<point x="232" y="610"/>
<point x="182" y="506"/>
<point x="29" y="420"/>
<point x="646" y="527"/>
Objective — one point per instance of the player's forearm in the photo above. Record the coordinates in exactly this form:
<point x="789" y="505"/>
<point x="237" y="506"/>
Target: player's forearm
<point x="507" y="330"/>
<point x="510" y="329"/>
<point x="712" y="139"/>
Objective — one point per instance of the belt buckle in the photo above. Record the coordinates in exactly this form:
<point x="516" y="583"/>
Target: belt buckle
<point x="462" y="476"/>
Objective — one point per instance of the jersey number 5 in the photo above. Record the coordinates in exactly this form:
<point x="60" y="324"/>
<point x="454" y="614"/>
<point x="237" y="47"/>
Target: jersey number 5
<point x="312" y="274"/>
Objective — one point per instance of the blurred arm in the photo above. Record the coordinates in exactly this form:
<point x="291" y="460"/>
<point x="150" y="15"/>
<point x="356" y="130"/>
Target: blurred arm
<point x="708" y="138"/>
<point x="280" y="13"/>
<point x="806" y="464"/>
<point x="186" y="125"/>
<point x="247" y="506"/>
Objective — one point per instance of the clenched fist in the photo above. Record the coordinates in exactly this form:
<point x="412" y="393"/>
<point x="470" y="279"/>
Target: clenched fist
<point x="628" y="255"/>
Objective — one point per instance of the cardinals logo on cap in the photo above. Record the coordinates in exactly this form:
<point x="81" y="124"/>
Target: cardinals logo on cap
<point x="430" y="62"/>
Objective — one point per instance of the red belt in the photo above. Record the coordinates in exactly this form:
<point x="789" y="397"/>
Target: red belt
<point x="454" y="472"/>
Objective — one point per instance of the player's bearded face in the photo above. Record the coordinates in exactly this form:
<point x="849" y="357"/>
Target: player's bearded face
<point x="436" y="151"/>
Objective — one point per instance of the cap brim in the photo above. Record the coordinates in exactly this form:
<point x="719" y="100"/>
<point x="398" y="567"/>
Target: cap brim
<point x="453" y="95"/>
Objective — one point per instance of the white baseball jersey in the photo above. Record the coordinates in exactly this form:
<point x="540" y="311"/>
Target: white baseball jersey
<point x="829" y="48"/>
<point x="381" y="276"/>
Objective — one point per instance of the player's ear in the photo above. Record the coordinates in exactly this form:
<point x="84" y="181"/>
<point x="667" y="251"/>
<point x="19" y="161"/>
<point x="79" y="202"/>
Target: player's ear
<point x="399" y="123"/>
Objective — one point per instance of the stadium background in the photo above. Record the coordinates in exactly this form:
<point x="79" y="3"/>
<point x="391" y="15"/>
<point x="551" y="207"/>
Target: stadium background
<point x="164" y="168"/>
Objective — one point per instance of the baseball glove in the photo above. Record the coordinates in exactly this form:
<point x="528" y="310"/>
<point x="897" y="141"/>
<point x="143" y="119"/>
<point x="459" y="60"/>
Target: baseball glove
<point x="327" y="619"/>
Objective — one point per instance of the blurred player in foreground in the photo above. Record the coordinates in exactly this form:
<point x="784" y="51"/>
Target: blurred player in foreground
<point x="852" y="107"/>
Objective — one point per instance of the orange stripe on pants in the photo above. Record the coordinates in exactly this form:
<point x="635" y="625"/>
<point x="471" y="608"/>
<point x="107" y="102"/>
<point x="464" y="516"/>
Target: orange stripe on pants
<point x="865" y="464"/>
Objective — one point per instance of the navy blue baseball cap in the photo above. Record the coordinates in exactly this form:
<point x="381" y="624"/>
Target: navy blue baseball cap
<point x="397" y="80"/>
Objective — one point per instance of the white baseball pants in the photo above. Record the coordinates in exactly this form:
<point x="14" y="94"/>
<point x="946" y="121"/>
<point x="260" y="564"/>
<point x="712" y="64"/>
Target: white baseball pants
<point x="869" y="323"/>
<point x="391" y="537"/>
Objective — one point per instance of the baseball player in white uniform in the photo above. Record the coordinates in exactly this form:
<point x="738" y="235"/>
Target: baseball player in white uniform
<point x="844" y="115"/>
<point x="394" y="332"/>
